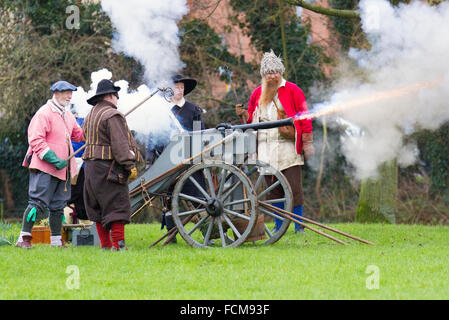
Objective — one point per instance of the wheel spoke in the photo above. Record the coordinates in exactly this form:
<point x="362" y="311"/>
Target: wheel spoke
<point x="199" y="187"/>
<point x="271" y="214"/>
<point x="197" y="225"/>
<point x="259" y="180"/>
<point x="211" y="183"/>
<point x="236" y="214"/>
<point x="228" y="221"/>
<point x="222" y="182"/>
<point x="229" y="192"/>
<point x="274" y="185"/>
<point x="268" y="232"/>
<point x="220" y="228"/>
<point x="191" y="212"/>
<point x="274" y="200"/>
<point x="209" y="231"/>
<point x="227" y="204"/>
<point x="187" y="197"/>
<point x="250" y="171"/>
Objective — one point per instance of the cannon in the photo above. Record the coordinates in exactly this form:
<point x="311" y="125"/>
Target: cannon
<point x="228" y="209"/>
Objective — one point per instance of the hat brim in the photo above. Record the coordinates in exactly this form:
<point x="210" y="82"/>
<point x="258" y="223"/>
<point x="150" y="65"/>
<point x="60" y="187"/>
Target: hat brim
<point x="62" y="86"/>
<point x="62" y="90"/>
<point x="93" y="100"/>
<point x="189" y="85"/>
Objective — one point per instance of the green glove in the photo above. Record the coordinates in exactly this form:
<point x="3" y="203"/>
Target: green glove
<point x="52" y="158"/>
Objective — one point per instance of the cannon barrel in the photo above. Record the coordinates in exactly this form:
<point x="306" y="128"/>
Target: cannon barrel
<point x="257" y="126"/>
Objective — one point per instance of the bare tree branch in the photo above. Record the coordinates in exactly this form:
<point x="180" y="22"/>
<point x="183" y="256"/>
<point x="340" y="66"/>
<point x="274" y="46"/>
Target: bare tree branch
<point x="350" y="14"/>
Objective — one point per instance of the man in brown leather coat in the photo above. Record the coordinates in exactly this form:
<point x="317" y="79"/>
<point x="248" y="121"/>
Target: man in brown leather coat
<point x="110" y="161"/>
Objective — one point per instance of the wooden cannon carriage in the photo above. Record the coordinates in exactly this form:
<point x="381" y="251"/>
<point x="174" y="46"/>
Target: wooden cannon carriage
<point x="228" y="209"/>
<point x="233" y="207"/>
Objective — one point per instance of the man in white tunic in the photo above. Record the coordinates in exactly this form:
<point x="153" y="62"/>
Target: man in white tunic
<point x="283" y="148"/>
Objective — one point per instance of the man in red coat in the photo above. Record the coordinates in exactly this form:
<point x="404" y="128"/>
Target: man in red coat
<point x="283" y="148"/>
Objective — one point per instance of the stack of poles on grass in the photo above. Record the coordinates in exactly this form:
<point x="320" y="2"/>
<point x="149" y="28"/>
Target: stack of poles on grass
<point x="295" y="218"/>
<point x="286" y="214"/>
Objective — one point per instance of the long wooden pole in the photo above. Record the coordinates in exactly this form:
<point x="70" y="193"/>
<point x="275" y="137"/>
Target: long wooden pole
<point x="169" y="232"/>
<point x="173" y="231"/>
<point x="308" y="227"/>
<point x="315" y="223"/>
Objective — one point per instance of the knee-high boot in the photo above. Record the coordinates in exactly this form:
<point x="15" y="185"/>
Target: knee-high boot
<point x="170" y="224"/>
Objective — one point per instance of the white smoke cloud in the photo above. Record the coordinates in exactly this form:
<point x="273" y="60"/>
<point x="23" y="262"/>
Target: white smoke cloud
<point x="148" y="31"/>
<point x="152" y="116"/>
<point x="408" y="61"/>
<point x="79" y="97"/>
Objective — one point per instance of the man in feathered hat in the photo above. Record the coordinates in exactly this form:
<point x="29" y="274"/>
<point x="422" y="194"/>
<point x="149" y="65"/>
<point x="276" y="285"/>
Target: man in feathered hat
<point x="110" y="160"/>
<point x="283" y="148"/>
<point x="49" y="136"/>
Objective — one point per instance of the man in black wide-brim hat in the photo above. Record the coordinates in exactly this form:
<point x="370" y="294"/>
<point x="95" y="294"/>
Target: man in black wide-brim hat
<point x="110" y="160"/>
<point x="185" y="111"/>
<point x="189" y="116"/>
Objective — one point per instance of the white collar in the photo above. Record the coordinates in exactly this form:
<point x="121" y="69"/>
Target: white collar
<point x="180" y="103"/>
<point x="282" y="83"/>
<point x="56" y="107"/>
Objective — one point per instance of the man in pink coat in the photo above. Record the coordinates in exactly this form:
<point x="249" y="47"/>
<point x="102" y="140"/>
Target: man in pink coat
<point x="49" y="136"/>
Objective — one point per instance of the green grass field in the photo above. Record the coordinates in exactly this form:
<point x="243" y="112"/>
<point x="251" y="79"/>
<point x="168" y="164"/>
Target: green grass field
<point x="409" y="261"/>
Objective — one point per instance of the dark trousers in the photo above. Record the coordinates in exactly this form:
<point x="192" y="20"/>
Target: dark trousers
<point x="294" y="178"/>
<point x="46" y="191"/>
<point x="77" y="197"/>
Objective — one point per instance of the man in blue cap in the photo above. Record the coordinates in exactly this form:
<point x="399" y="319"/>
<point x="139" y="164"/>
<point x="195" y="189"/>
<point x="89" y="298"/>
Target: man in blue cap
<point x="49" y="136"/>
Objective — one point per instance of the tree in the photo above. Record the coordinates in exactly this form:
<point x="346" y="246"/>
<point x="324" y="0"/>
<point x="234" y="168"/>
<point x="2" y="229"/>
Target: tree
<point x="33" y="56"/>
<point x="378" y="197"/>
<point x="207" y="58"/>
<point x="348" y="14"/>
<point x="272" y="25"/>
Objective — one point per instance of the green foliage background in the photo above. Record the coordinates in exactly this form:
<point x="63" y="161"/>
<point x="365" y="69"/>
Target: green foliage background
<point x="37" y="49"/>
<point x="262" y="22"/>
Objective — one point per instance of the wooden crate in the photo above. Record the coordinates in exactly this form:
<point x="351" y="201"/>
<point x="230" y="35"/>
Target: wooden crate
<point x="42" y="235"/>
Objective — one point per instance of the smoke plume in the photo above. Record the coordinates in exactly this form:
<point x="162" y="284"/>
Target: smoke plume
<point x="148" y="32"/>
<point x="406" y="85"/>
<point x="151" y="117"/>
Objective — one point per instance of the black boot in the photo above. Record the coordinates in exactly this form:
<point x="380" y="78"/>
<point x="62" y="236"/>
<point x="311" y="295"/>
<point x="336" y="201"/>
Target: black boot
<point x="121" y="246"/>
<point x="170" y="224"/>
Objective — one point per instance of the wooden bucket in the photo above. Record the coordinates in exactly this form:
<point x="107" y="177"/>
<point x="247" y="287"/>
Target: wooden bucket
<point x="42" y="235"/>
<point x="258" y="232"/>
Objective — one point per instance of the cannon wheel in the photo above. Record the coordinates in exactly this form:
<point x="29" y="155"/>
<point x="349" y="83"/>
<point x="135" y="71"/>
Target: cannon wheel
<point x="256" y="173"/>
<point x="215" y="207"/>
